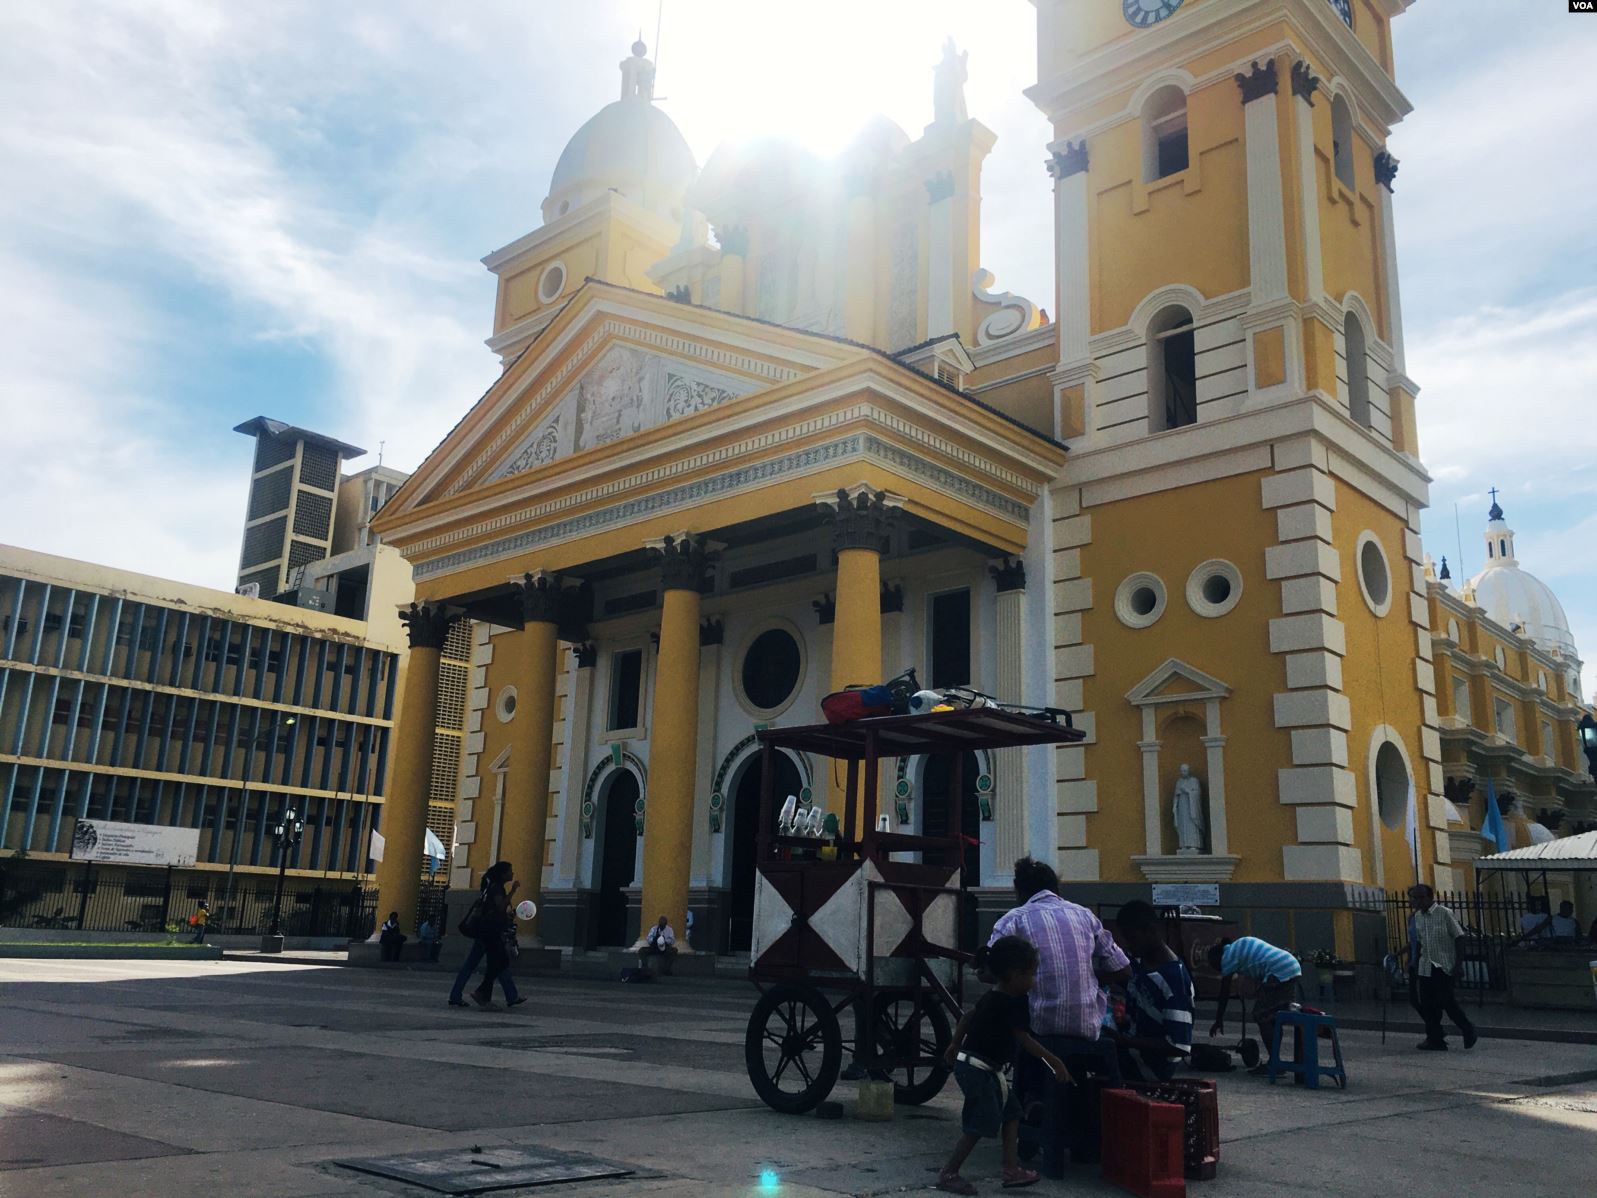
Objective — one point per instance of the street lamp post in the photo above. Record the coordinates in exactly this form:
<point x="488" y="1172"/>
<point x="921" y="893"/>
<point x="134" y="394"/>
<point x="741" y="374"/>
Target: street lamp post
<point x="287" y="834"/>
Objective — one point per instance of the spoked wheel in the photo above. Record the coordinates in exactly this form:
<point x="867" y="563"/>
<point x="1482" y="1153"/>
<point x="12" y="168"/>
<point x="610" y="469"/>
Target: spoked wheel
<point x="912" y="1031"/>
<point x="793" y="1048"/>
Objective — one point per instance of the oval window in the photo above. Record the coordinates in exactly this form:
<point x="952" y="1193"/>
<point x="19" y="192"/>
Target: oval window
<point x="771" y="669"/>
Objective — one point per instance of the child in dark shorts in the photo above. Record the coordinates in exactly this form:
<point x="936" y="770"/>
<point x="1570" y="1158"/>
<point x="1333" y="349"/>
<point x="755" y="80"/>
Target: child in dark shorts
<point x="984" y="1044"/>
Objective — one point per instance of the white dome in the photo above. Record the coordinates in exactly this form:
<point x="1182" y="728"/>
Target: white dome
<point x="1515" y="599"/>
<point x="628" y="146"/>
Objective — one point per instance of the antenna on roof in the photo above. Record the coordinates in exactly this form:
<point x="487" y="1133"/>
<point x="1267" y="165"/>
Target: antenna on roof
<point x="380" y="445"/>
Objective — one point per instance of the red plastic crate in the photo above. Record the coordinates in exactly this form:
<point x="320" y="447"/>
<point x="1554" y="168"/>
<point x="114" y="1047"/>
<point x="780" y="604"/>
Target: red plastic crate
<point x="1200" y="1136"/>
<point x="1142" y="1145"/>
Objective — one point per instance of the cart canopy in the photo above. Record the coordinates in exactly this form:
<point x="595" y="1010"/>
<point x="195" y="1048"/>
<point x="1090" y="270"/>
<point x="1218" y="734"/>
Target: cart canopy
<point x="1568" y="853"/>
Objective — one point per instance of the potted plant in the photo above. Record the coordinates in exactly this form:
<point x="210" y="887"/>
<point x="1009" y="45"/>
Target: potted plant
<point x="1325" y="965"/>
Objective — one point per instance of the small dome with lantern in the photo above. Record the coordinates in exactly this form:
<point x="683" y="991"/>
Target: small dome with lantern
<point x="630" y="147"/>
<point x="1518" y="600"/>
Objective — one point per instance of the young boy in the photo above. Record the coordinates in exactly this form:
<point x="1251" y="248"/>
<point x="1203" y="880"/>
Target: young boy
<point x="1274" y="972"/>
<point x="1159" y="1000"/>
<point x="984" y="1044"/>
<point x="199" y="920"/>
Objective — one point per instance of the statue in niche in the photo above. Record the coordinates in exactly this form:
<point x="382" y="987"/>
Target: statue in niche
<point x="1187" y="808"/>
<point x="948" y="90"/>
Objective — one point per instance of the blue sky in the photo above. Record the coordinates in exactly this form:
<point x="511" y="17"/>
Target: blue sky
<point x="216" y="211"/>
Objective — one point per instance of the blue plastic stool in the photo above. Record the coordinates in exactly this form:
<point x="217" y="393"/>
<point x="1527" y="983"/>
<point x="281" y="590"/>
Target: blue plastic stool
<point x="1307" y="1066"/>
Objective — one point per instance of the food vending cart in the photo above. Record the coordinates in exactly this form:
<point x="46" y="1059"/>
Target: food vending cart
<point x="866" y="923"/>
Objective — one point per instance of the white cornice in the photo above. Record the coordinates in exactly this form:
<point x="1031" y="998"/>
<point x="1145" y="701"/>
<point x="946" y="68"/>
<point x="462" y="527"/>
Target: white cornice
<point x="612" y="205"/>
<point x="1207" y="28"/>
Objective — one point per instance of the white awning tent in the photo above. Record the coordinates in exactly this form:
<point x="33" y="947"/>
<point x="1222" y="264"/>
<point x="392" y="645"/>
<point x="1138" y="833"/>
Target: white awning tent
<point x="1566" y="854"/>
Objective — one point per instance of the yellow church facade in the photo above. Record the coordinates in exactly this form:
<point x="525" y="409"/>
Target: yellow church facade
<point x="767" y="428"/>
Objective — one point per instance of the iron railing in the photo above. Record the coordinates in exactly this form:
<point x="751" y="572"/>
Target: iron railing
<point x="1492" y="924"/>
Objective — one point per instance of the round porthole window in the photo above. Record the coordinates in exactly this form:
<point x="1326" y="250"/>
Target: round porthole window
<point x="1375" y="576"/>
<point x="1214" y="588"/>
<point x="771" y="669"/>
<point x="505" y="706"/>
<point x="1140" y="600"/>
<point x="552" y="282"/>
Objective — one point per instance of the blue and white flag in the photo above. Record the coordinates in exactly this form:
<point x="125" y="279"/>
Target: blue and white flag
<point x="434" y="850"/>
<point x="1411" y="831"/>
<point x="1492" y="827"/>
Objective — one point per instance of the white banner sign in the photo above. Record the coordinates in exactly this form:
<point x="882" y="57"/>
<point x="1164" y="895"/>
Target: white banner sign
<point x="1186" y="894"/>
<point x="134" y="844"/>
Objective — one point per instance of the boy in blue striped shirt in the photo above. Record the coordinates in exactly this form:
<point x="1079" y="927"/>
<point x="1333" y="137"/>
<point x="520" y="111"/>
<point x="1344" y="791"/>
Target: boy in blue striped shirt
<point x="1273" y="971"/>
<point x="1159" y="999"/>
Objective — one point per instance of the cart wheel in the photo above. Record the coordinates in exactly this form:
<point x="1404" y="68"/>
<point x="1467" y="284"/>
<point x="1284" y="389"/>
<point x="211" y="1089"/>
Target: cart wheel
<point x="907" y="1029"/>
<point x="793" y="1049"/>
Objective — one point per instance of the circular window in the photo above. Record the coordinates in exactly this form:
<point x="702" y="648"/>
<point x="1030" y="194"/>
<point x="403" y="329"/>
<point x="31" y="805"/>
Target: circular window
<point x="1214" y="588"/>
<point x="552" y="282"/>
<point x="1391" y="785"/>
<point x="1140" y="600"/>
<point x="1375" y="577"/>
<point x="505" y="707"/>
<point x="771" y="669"/>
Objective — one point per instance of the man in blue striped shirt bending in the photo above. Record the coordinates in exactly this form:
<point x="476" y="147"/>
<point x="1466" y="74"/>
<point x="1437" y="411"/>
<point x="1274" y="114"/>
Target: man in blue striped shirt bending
<point x="1273" y="971"/>
<point x="1159" y="1000"/>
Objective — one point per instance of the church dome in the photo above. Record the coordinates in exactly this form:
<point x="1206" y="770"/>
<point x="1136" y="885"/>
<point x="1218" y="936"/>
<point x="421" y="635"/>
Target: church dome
<point x="1516" y="599"/>
<point x="629" y="146"/>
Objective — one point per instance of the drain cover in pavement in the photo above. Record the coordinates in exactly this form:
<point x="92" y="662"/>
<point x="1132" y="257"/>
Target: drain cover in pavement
<point x="468" y="1171"/>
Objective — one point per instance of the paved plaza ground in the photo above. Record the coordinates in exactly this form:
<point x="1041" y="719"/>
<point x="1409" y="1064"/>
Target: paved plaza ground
<point x="240" y="1078"/>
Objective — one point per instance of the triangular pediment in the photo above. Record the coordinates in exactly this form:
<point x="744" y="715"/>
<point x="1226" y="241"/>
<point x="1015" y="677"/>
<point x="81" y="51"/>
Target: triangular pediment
<point x="614" y="365"/>
<point x="1175" y="682"/>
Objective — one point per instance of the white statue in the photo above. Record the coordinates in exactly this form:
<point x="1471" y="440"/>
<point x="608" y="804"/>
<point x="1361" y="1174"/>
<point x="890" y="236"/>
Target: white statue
<point x="1188" y="811"/>
<point x="948" y="92"/>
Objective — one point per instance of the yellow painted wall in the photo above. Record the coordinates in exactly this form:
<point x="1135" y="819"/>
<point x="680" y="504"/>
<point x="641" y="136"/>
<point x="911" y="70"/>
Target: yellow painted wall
<point x="1378" y="676"/>
<point x="1189" y="228"/>
<point x="1169" y="534"/>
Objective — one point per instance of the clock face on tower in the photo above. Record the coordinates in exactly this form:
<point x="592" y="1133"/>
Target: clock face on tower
<point x="1344" y="9"/>
<point x="1143" y="13"/>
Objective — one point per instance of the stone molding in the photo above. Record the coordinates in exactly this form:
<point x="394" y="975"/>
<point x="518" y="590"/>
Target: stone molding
<point x="1072" y="160"/>
<point x="862" y="520"/>
<point x="1009" y="575"/>
<point x="1259" y="82"/>
<point x="681" y="561"/>
<point x="1186" y="867"/>
<point x="427" y="624"/>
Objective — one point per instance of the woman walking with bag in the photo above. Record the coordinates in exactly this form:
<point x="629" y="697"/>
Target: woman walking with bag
<point x="488" y="924"/>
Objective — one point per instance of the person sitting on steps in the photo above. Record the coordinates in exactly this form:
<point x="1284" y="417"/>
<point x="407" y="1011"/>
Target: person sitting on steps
<point x="660" y="942"/>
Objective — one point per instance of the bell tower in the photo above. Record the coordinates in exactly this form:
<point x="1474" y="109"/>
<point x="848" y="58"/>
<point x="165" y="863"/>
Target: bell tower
<point x="1238" y="572"/>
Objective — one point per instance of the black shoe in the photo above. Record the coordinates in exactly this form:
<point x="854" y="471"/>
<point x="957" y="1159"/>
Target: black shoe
<point x="1432" y="1046"/>
<point x="1470" y="1036"/>
<point x="457" y="1002"/>
<point x="516" y="1002"/>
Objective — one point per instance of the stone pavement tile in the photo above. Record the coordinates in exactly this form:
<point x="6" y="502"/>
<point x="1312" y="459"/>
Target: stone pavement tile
<point x="421" y="1092"/>
<point x="30" y="1140"/>
<point x="177" y="1114"/>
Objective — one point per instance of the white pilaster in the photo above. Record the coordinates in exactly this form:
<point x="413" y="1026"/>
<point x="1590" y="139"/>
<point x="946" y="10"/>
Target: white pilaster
<point x="573" y="773"/>
<point x="1394" y="305"/>
<point x="1308" y="189"/>
<point x="1070" y="238"/>
<point x="708" y="755"/>
<point x="1266" y="211"/>
<point x="1009" y="838"/>
<point x="940" y="268"/>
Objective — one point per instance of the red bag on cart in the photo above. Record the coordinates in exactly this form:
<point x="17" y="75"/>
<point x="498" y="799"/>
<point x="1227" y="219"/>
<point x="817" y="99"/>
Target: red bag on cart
<point x="857" y="703"/>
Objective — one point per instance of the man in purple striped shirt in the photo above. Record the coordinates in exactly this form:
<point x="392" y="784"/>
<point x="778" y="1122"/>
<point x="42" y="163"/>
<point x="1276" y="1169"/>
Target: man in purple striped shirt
<point x="1077" y="957"/>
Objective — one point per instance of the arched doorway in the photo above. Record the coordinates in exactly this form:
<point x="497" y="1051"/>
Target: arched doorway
<point x="618" y="854"/>
<point x="745" y="840"/>
<point x="940" y="808"/>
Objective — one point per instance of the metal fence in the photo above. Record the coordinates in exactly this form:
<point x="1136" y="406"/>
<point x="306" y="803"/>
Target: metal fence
<point x="1492" y="923"/>
<point x="157" y="900"/>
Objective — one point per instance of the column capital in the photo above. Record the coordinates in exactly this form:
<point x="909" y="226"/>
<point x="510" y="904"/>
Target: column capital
<point x="682" y="561"/>
<point x="1009" y="575"/>
<point x="427" y="624"/>
<point x="1259" y="82"/>
<point x="892" y="597"/>
<point x="734" y="240"/>
<point x="540" y="594"/>
<point x="825" y="609"/>
<point x="587" y="654"/>
<point x="1304" y="82"/>
<point x="1072" y="160"/>
<point x="712" y="632"/>
<point x="1385" y="170"/>
<point x="861" y="518"/>
<point x="940" y="187"/>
